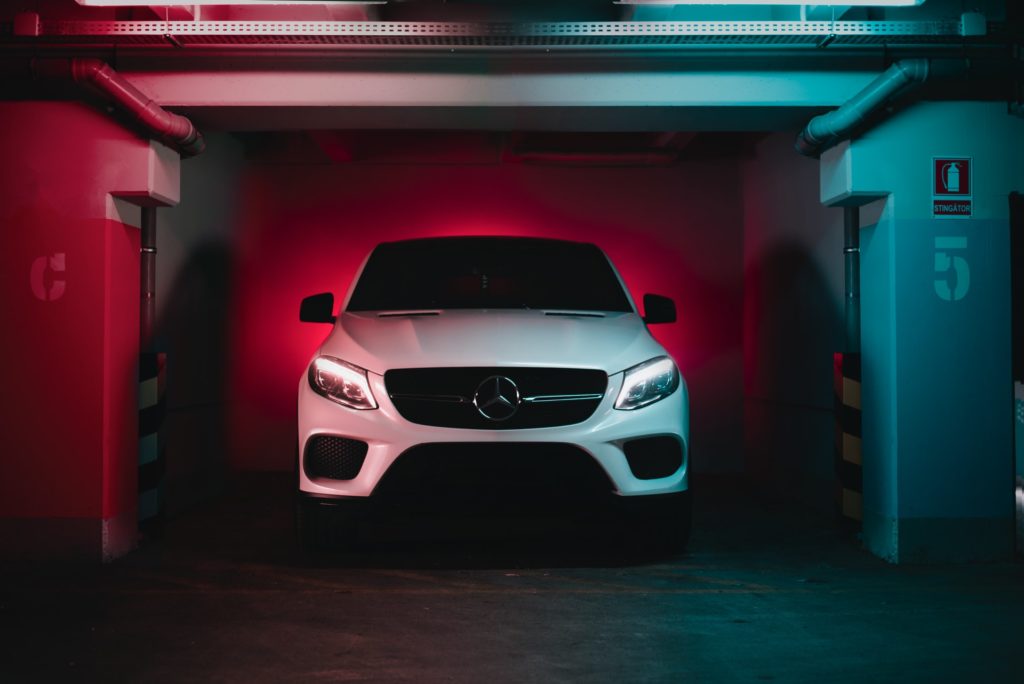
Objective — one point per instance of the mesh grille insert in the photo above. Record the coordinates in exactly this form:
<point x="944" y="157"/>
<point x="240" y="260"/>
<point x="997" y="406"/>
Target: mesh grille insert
<point x="336" y="458"/>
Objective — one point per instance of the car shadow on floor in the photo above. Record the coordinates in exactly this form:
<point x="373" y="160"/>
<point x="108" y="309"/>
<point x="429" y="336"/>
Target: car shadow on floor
<point x="253" y="523"/>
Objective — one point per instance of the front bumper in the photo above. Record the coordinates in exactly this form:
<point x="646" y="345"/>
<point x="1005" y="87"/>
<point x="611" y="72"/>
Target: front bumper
<point x="389" y="435"/>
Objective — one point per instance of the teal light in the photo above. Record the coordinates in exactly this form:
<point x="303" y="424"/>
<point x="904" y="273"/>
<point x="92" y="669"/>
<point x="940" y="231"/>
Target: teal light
<point x="819" y="3"/>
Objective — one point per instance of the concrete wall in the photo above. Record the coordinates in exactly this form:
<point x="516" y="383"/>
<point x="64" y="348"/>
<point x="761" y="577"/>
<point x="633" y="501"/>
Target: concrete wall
<point x="196" y="243"/>
<point x="792" y="323"/>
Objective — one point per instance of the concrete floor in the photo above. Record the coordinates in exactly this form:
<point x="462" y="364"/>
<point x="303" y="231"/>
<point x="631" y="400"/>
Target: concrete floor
<point x="766" y="593"/>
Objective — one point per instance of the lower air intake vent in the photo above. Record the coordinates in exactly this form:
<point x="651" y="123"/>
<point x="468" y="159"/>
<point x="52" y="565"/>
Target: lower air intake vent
<point x="487" y="475"/>
<point x="336" y="458"/>
<point x="653" y="457"/>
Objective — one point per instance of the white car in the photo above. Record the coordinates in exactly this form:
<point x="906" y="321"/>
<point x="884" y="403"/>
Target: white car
<point x="483" y="364"/>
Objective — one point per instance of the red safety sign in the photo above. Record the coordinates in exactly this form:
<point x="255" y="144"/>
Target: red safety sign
<point x="952" y="187"/>
<point x="952" y="176"/>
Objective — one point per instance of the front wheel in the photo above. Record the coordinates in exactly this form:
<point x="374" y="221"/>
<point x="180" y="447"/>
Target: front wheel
<point x="325" y="526"/>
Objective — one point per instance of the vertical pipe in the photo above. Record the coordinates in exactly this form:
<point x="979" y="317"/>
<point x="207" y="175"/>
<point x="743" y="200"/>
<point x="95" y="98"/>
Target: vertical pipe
<point x="851" y="257"/>
<point x="847" y="378"/>
<point x="152" y="462"/>
<point x="147" y="279"/>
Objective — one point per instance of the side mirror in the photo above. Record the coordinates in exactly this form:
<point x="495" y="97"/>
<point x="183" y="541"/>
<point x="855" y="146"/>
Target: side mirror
<point x="318" y="308"/>
<point x="659" y="309"/>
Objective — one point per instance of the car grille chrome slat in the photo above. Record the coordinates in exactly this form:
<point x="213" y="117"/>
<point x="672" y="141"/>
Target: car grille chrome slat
<point x="547" y="399"/>
<point x="539" y="397"/>
<point x="432" y="397"/>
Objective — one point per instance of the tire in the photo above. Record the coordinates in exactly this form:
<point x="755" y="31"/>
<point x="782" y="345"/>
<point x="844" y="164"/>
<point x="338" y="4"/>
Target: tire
<point x="659" y="523"/>
<point x="325" y="526"/>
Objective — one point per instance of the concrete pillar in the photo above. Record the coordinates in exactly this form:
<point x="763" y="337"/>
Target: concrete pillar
<point x="70" y="186"/>
<point x="937" y="387"/>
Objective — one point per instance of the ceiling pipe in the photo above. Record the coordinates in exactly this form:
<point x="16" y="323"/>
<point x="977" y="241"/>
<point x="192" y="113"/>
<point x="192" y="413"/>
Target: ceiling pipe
<point x="822" y="132"/>
<point x="664" y="152"/>
<point x="651" y="157"/>
<point x="174" y="130"/>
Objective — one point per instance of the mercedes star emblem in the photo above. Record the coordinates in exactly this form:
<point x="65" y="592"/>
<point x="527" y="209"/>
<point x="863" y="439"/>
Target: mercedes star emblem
<point x="497" y="398"/>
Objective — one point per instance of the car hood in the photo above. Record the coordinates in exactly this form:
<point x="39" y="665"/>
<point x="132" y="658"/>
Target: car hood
<point x="379" y="342"/>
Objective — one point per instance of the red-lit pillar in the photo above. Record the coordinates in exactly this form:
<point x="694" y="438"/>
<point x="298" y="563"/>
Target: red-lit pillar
<point x="71" y="184"/>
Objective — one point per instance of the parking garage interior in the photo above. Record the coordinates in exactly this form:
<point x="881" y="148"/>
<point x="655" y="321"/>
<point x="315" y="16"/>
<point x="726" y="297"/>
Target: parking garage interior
<point x="178" y="178"/>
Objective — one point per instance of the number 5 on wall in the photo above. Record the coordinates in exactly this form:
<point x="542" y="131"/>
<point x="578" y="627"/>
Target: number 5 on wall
<point x="944" y="263"/>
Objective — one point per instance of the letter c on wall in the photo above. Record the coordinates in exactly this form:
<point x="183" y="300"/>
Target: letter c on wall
<point x="55" y="263"/>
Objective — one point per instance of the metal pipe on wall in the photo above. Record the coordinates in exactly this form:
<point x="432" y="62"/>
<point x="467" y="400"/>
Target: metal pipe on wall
<point x="172" y="129"/>
<point x="652" y="157"/>
<point x="828" y="129"/>
<point x="851" y="259"/>
<point x="147" y="279"/>
<point x="846" y="381"/>
<point x="152" y="399"/>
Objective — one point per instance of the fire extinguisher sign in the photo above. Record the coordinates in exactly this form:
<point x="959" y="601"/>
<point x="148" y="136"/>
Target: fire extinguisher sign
<point x="952" y="187"/>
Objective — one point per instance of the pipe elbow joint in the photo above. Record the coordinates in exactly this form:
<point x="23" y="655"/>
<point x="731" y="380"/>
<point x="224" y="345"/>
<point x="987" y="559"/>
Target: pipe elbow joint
<point x="173" y="129"/>
<point x="903" y="75"/>
<point x="87" y="69"/>
<point x="914" y="70"/>
<point x="807" y="145"/>
<point x="190" y="144"/>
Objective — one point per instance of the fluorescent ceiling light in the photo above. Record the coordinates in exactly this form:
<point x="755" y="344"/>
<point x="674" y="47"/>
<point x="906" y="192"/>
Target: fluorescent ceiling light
<point x="251" y="3"/>
<point x="809" y="3"/>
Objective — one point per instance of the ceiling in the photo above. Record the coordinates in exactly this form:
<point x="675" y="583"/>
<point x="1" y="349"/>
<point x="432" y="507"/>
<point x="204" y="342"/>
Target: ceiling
<point x="502" y="65"/>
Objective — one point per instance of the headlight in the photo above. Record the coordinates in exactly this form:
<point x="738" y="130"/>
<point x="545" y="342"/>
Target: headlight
<point x="341" y="382"/>
<point x="647" y="383"/>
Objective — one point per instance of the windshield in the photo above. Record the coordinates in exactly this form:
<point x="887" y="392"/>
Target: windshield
<point x="488" y="273"/>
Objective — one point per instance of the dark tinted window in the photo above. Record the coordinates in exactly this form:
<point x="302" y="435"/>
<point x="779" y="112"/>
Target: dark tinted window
<point x="488" y="273"/>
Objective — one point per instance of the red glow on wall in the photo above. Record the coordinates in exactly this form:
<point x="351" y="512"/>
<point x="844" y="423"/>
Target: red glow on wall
<point x="307" y="228"/>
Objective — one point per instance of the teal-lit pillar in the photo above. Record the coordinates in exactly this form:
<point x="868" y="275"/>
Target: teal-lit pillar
<point x="937" y="390"/>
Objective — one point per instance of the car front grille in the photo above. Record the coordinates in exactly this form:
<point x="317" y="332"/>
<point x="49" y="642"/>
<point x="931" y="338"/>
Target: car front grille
<point x="336" y="458"/>
<point x="457" y="397"/>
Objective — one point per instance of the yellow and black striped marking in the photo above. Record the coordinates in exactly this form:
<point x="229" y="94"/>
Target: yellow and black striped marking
<point x="846" y="393"/>
<point x="152" y="461"/>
